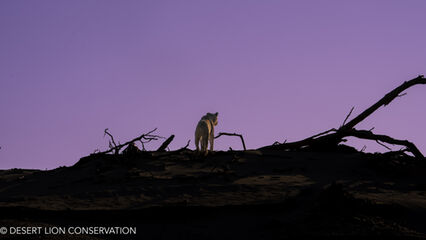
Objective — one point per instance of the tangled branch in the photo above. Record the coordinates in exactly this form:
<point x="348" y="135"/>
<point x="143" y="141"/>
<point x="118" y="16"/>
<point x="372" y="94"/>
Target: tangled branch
<point x="144" y="138"/>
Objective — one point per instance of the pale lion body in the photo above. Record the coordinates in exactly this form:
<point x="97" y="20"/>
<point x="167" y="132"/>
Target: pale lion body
<point x="204" y="133"/>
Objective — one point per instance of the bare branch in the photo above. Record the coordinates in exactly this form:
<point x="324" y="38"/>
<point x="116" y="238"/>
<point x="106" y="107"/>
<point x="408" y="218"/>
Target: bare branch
<point x="323" y="133"/>
<point x="384" y="101"/>
<point x="172" y="152"/>
<point x="347" y="116"/>
<point x="303" y="143"/>
<point x="383" y="138"/>
<point x="186" y="146"/>
<point x="388" y="148"/>
<point x="346" y="130"/>
<point x="113" y="145"/>
<point x="233" y="134"/>
<point x="165" y="144"/>
<point x="146" y="136"/>
<point x="143" y="145"/>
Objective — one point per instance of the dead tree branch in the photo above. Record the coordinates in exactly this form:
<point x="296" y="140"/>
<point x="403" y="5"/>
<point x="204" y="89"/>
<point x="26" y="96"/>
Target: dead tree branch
<point x="347" y="116"/>
<point x="384" y="101"/>
<point x="172" y="152"/>
<point x="333" y="137"/>
<point x="186" y="146"/>
<point x="337" y="137"/>
<point x="233" y="134"/>
<point x="112" y="143"/>
<point x="165" y="144"/>
<point x="183" y="148"/>
<point x="383" y="138"/>
<point x="300" y="144"/>
<point x="148" y="137"/>
<point x="323" y="133"/>
<point x="383" y="145"/>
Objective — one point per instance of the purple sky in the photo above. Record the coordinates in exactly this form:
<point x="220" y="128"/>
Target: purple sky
<point x="274" y="70"/>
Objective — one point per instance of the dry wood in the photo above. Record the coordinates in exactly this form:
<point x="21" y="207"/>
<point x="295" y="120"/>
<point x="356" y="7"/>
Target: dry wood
<point x="302" y="143"/>
<point x="347" y="116"/>
<point x="165" y="144"/>
<point x="146" y="136"/>
<point x="185" y="147"/>
<point x="233" y="134"/>
<point x="334" y="137"/>
<point x="383" y="138"/>
<point x="162" y="154"/>
<point x="112" y="143"/>
<point x="385" y="101"/>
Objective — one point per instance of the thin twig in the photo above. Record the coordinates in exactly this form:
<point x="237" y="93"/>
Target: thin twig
<point x="112" y="139"/>
<point x="388" y="148"/>
<point x="186" y="146"/>
<point x="347" y="116"/>
<point x="323" y="133"/>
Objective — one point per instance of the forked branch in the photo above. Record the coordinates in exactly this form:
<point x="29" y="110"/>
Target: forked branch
<point x="233" y="134"/>
<point x="334" y="137"/>
<point x="112" y="143"/>
<point x="384" y="101"/>
<point x="383" y="138"/>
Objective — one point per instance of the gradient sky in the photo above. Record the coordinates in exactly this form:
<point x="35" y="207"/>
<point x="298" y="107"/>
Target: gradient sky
<point x="274" y="70"/>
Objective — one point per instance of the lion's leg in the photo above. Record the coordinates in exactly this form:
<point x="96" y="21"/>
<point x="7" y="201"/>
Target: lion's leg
<point x="204" y="142"/>
<point x="211" y="138"/>
<point x="197" y="142"/>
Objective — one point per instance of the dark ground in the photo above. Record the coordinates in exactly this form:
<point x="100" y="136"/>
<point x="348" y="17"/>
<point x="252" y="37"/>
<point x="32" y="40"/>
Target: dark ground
<point x="226" y="195"/>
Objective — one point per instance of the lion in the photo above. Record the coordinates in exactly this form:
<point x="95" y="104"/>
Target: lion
<point x="205" y="132"/>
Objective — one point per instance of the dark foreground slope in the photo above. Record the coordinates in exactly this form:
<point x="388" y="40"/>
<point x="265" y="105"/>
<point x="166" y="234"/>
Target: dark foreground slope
<point x="227" y="195"/>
